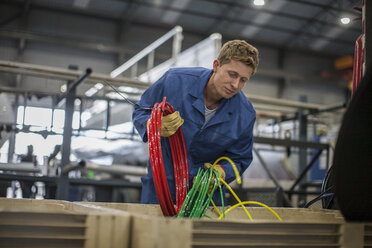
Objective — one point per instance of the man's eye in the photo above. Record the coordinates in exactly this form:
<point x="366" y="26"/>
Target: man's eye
<point x="233" y="75"/>
<point x="243" y="80"/>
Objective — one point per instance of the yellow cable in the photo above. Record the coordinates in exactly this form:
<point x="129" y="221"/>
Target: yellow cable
<point x="255" y="203"/>
<point x="236" y="197"/>
<point x="215" y="207"/>
<point x="238" y="179"/>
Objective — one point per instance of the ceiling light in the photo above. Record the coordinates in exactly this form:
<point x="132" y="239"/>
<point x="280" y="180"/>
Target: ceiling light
<point x="345" y="20"/>
<point x="81" y="3"/>
<point x="259" y="2"/>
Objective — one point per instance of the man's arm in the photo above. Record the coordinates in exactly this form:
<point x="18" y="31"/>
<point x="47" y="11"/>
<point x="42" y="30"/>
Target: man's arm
<point x="151" y="96"/>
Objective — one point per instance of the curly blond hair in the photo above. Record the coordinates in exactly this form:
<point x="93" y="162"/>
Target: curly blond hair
<point x="239" y="50"/>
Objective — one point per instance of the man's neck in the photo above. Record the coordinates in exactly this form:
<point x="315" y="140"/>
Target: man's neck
<point x="211" y="101"/>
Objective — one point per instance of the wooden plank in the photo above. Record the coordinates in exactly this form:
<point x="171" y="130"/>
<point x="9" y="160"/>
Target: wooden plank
<point x="40" y="236"/>
<point x="269" y="245"/>
<point x="72" y="225"/>
<point x="91" y="231"/>
<point x="150" y="231"/>
<point x="353" y="234"/>
<point x="104" y="231"/>
<point x="265" y="239"/>
<point x="121" y="232"/>
<point x="258" y="233"/>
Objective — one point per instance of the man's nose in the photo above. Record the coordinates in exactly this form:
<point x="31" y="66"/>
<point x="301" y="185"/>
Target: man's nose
<point x="235" y="83"/>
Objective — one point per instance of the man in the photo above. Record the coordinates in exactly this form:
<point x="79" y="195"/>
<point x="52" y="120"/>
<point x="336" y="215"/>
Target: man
<point x="29" y="157"/>
<point x="217" y="119"/>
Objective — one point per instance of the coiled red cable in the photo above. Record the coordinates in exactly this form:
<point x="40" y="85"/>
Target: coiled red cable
<point x="179" y="157"/>
<point x="358" y="63"/>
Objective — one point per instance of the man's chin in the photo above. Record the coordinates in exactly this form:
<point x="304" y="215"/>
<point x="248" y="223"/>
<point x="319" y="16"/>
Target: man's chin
<point x="228" y="96"/>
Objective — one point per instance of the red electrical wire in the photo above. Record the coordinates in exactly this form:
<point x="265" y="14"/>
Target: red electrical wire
<point x="179" y="158"/>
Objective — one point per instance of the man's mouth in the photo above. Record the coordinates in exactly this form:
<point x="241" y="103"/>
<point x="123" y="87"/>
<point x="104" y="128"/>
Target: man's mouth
<point x="228" y="91"/>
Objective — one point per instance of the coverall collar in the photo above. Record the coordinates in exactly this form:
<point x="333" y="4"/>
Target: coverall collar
<point x="198" y="93"/>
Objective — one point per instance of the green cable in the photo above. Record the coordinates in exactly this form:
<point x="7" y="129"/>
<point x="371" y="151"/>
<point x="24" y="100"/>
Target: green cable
<point x="196" y="202"/>
<point x="189" y="202"/>
<point x="207" y="202"/>
<point x="204" y="194"/>
<point x="204" y="207"/>
<point x="215" y="184"/>
<point x="222" y="202"/>
<point x="200" y="197"/>
<point x="190" y="196"/>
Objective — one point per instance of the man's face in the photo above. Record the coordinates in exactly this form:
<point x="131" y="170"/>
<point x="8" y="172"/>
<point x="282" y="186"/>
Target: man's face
<point x="230" y="78"/>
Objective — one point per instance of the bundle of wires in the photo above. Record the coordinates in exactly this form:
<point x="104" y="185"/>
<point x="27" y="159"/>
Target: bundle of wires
<point x="197" y="202"/>
<point x="179" y="156"/>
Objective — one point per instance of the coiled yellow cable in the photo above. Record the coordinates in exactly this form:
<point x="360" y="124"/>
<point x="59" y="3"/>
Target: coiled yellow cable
<point x="237" y="198"/>
<point x="254" y="203"/>
<point x="240" y="203"/>
<point x="215" y="207"/>
<point x="238" y="179"/>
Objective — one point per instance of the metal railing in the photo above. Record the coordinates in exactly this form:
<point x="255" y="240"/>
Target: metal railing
<point x="176" y="33"/>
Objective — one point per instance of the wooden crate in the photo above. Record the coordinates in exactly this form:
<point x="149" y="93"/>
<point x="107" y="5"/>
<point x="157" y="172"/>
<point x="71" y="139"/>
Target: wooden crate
<point x="300" y="228"/>
<point x="50" y="223"/>
<point x="257" y="213"/>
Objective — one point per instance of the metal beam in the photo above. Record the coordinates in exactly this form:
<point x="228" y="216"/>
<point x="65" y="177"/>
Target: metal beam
<point x="114" y="169"/>
<point x="283" y="102"/>
<point x="273" y="179"/>
<point x="73" y="181"/>
<point x="19" y="91"/>
<point x="63" y="180"/>
<point x="58" y="73"/>
<point x="302" y="155"/>
<point x="287" y="142"/>
<point x="48" y="38"/>
<point x="305" y="170"/>
<point x="25" y="167"/>
<point x="65" y="74"/>
<point x="72" y="86"/>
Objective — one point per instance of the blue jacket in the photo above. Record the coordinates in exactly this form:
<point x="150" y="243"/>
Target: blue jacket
<point x="229" y="133"/>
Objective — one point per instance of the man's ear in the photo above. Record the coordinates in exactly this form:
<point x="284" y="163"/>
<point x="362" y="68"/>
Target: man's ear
<point x="216" y="63"/>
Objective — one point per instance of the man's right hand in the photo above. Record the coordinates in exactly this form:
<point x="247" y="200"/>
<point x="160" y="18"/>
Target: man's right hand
<point x="170" y="124"/>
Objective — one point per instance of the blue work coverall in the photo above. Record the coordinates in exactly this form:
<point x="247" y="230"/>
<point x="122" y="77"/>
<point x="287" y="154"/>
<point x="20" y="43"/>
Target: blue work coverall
<point x="228" y="133"/>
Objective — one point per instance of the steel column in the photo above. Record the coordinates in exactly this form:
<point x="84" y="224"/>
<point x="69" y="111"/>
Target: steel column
<point x="302" y="160"/>
<point x="70" y="95"/>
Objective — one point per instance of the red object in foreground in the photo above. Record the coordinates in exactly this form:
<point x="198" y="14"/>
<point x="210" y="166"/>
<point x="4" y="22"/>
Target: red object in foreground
<point x="358" y="63"/>
<point x="179" y="157"/>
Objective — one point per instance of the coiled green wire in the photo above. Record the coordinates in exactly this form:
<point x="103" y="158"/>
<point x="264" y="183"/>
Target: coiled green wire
<point x="196" y="202"/>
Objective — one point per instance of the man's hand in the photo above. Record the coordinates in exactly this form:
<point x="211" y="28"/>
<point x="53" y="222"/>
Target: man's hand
<point x="221" y="172"/>
<point x="170" y="124"/>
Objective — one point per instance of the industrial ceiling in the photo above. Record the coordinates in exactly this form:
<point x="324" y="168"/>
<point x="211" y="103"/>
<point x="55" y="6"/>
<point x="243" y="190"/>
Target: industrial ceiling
<point x="304" y="25"/>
